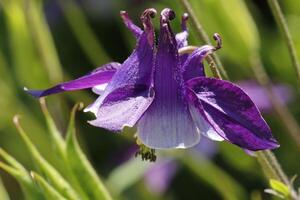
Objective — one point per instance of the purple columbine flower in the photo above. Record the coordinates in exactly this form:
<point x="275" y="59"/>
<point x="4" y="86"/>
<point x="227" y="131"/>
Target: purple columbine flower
<point x="167" y="96"/>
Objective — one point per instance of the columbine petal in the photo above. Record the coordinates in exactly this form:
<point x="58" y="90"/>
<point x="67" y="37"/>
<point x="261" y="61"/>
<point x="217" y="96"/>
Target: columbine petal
<point x="232" y="113"/>
<point x="199" y="117"/>
<point x="205" y="128"/>
<point x="193" y="66"/>
<point x="167" y="123"/>
<point x="99" y="76"/>
<point x="129" y="92"/>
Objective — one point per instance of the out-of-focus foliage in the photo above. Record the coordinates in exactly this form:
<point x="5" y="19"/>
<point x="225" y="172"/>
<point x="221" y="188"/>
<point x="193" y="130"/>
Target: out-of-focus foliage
<point x="45" y="41"/>
<point x="74" y="179"/>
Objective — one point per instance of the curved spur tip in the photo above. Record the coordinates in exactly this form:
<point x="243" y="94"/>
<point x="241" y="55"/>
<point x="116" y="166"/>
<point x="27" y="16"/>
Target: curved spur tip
<point x="218" y="39"/>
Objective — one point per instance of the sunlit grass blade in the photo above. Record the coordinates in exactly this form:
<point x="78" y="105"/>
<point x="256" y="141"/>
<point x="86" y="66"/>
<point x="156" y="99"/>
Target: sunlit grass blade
<point x="50" y="172"/>
<point x="80" y="166"/>
<point x="12" y="161"/>
<point x="18" y="171"/>
<point x="281" y="22"/>
<point x="83" y="32"/>
<point x="30" y="190"/>
<point x="23" y="53"/>
<point x="3" y="193"/>
<point x="49" y="192"/>
<point x="218" y="179"/>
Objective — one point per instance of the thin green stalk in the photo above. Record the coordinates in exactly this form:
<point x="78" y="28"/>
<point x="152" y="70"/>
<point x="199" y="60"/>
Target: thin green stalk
<point x="204" y="37"/>
<point x="281" y="22"/>
<point x="281" y="110"/>
<point x="271" y="166"/>
<point x="273" y="170"/>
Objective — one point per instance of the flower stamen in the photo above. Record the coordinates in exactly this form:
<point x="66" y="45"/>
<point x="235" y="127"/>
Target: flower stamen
<point x="146" y="153"/>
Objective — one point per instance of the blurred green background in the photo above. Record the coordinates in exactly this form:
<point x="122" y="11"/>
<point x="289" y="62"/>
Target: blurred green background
<point x="46" y="42"/>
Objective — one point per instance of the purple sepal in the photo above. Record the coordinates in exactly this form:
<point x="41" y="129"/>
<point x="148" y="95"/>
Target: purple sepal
<point x="130" y="92"/>
<point x="232" y="114"/>
<point x="123" y="107"/>
<point x="99" y="76"/>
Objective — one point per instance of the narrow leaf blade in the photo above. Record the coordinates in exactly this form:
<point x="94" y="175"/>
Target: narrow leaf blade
<point x="81" y="167"/>
<point x="49" y="191"/>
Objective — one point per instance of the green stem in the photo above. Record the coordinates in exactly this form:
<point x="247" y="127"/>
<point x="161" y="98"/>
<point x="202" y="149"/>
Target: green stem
<point x="204" y="37"/>
<point x="281" y="110"/>
<point x="271" y="166"/>
<point x="279" y="17"/>
<point x="273" y="170"/>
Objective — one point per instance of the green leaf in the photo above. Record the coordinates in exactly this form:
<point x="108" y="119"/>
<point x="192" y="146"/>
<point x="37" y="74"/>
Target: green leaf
<point x="50" y="172"/>
<point x="22" y="49"/>
<point x="274" y="193"/>
<point x="55" y="135"/>
<point x="30" y="190"/>
<point x="60" y="150"/>
<point x="49" y="192"/>
<point x="280" y="187"/>
<point x="3" y="193"/>
<point x="80" y="165"/>
<point x="12" y="161"/>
